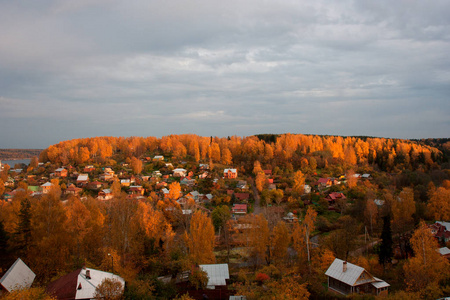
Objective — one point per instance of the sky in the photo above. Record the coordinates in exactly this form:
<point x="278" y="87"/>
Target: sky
<point x="75" y="69"/>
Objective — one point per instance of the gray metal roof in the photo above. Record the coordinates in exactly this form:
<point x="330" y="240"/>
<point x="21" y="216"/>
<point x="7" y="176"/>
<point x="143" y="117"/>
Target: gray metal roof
<point x="446" y="224"/>
<point x="349" y="277"/>
<point x="18" y="276"/>
<point x="444" y="251"/>
<point x="217" y="273"/>
<point x="380" y="283"/>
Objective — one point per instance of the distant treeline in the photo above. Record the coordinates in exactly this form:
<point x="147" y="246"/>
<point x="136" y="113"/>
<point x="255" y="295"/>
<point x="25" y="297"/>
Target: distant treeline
<point x="7" y="154"/>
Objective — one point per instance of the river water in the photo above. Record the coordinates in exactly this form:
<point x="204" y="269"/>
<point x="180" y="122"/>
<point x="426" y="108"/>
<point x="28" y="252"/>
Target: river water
<point x="11" y="163"/>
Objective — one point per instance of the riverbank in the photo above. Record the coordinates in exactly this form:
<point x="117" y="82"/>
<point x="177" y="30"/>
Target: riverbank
<point x="18" y="154"/>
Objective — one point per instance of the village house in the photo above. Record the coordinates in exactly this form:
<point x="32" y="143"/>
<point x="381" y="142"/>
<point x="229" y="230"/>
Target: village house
<point x="80" y="284"/>
<point x="218" y="275"/>
<point x="156" y="174"/>
<point x="105" y="195"/>
<point x="324" y="182"/>
<point x="46" y="187"/>
<point x="179" y="172"/>
<point x="240" y="209"/>
<point x="242" y="197"/>
<point x="290" y="218"/>
<point x="445" y="252"/>
<point x="187" y="181"/>
<point x="88" y="169"/>
<point x="203" y="166"/>
<point x="158" y="158"/>
<point x="194" y="195"/>
<point x="18" y="276"/>
<point x="441" y="231"/>
<point x="230" y="173"/>
<point x="61" y="172"/>
<point x="307" y="189"/>
<point x="335" y="196"/>
<point x="345" y="278"/>
<point x="83" y="179"/>
<point x="73" y="190"/>
<point x="136" y="190"/>
<point x="95" y="185"/>
<point x="125" y="182"/>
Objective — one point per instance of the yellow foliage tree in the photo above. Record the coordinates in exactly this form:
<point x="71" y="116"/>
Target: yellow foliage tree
<point x="402" y="210"/>
<point x="427" y="266"/>
<point x="201" y="239"/>
<point x="174" y="190"/>
<point x="299" y="183"/>
<point x="439" y="204"/>
<point x="258" y="238"/>
<point x="280" y="242"/>
<point x="136" y="165"/>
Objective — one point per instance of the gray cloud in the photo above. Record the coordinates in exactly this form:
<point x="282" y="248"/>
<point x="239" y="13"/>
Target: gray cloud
<point x="72" y="69"/>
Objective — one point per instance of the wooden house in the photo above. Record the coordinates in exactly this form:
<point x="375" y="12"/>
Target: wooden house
<point x="230" y="173"/>
<point x="345" y="278"/>
<point x="105" y="195"/>
<point x="61" y="172"/>
<point x="240" y="209"/>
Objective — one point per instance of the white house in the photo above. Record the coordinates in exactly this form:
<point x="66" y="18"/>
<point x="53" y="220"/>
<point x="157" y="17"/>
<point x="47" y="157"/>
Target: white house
<point x="217" y="274"/>
<point x="179" y="172"/>
<point x="18" y="276"/>
<point x="81" y="284"/>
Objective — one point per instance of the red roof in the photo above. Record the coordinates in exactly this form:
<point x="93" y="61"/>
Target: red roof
<point x="242" y="196"/>
<point x="64" y="288"/>
<point x="240" y="207"/>
<point x="336" y="195"/>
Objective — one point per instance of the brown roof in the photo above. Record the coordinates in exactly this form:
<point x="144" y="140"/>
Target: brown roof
<point x="242" y="196"/>
<point x="64" y="288"/>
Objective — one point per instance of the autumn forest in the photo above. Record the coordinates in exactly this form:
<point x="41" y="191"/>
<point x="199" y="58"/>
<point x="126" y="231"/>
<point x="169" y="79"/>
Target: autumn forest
<point x="277" y="209"/>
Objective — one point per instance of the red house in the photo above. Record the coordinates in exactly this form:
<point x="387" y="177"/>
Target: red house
<point x="61" y="172"/>
<point x="230" y="173"/>
<point x="239" y="209"/>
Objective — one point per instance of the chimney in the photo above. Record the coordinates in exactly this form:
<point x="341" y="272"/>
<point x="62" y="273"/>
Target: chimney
<point x="79" y="286"/>
<point x="344" y="266"/>
<point x="88" y="274"/>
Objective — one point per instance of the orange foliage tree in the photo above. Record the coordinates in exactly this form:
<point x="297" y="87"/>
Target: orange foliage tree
<point x="427" y="266"/>
<point x="201" y="239"/>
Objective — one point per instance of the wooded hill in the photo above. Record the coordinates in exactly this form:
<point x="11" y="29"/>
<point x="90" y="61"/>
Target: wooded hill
<point x="7" y="154"/>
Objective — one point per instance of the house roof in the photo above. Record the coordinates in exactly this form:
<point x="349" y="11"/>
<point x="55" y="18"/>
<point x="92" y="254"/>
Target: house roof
<point x="349" y="277"/>
<point x="18" y="276"/>
<point x="336" y="195"/>
<point x="444" y="251"/>
<point x="323" y="180"/>
<point x="240" y="206"/>
<point x="230" y="170"/>
<point x="352" y="274"/>
<point x="83" y="177"/>
<point x="379" y="202"/>
<point x="59" y="170"/>
<point x="47" y="184"/>
<point x="242" y="196"/>
<point x="445" y="224"/>
<point x="217" y="273"/>
<point x="380" y="283"/>
<point x="67" y="287"/>
<point x="179" y="170"/>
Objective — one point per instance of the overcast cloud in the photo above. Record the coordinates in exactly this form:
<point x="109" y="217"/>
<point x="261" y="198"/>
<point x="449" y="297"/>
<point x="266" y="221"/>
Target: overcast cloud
<point x="72" y="69"/>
